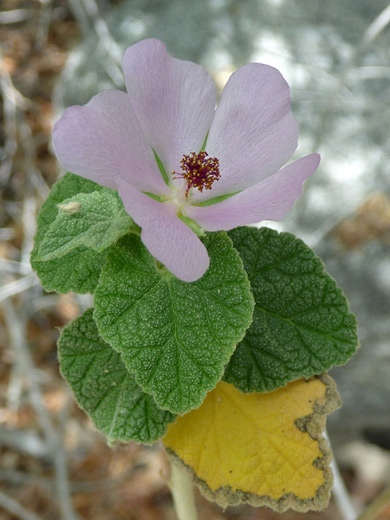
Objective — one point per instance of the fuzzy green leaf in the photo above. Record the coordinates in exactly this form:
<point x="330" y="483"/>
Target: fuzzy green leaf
<point x="96" y="220"/>
<point x="79" y="270"/>
<point x="105" y="389"/>
<point x="301" y="325"/>
<point x="175" y="336"/>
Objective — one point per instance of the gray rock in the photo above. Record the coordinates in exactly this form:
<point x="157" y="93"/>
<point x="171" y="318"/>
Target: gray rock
<point x="364" y="382"/>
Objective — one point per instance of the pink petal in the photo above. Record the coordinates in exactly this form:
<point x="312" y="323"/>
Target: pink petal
<point x="253" y="132"/>
<point x="174" y="100"/>
<point x="270" y="199"/>
<point x="102" y="141"/>
<point x="167" y="238"/>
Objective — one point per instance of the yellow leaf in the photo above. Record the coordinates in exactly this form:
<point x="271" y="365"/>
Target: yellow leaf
<point x="263" y="449"/>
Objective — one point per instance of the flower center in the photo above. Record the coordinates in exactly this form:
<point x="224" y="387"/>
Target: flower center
<point x="199" y="170"/>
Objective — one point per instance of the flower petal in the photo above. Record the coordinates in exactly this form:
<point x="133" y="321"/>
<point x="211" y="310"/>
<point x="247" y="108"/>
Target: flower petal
<point x="174" y="100"/>
<point x="253" y="133"/>
<point x="270" y="199"/>
<point x="167" y="238"/>
<point x="102" y="141"/>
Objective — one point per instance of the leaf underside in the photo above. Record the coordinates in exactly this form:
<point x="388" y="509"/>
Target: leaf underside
<point x="78" y="270"/>
<point x="99" y="222"/>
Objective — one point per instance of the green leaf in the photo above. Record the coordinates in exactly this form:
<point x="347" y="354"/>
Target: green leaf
<point x="96" y="220"/>
<point x="301" y="325"/>
<point x="105" y="389"/>
<point x="79" y="270"/>
<point x="66" y="187"/>
<point x="175" y="336"/>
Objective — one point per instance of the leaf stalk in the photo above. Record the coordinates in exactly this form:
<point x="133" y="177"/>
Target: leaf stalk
<point x="182" y="490"/>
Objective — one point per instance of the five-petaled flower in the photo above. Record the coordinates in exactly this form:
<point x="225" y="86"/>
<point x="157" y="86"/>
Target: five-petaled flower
<point x="179" y="163"/>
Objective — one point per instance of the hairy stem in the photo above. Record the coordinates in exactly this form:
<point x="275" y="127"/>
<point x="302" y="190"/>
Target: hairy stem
<point x="182" y="490"/>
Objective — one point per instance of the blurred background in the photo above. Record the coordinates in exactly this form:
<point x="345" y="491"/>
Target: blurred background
<point x="54" y="53"/>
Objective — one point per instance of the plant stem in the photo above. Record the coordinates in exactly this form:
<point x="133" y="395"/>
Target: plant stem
<point x="182" y="490"/>
<point x="377" y="506"/>
<point x="340" y="492"/>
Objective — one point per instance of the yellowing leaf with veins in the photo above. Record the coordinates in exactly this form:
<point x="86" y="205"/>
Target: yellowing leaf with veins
<point x="263" y="449"/>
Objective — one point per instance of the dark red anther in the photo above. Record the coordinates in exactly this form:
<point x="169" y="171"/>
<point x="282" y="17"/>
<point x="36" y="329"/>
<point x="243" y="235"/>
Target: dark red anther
<point x="199" y="170"/>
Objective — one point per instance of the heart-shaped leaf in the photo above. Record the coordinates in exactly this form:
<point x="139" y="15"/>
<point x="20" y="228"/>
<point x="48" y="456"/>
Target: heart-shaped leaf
<point x="175" y="336"/>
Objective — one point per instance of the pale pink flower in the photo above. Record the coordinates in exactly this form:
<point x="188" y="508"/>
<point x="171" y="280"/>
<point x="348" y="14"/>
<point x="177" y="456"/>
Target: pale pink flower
<point x="168" y="110"/>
